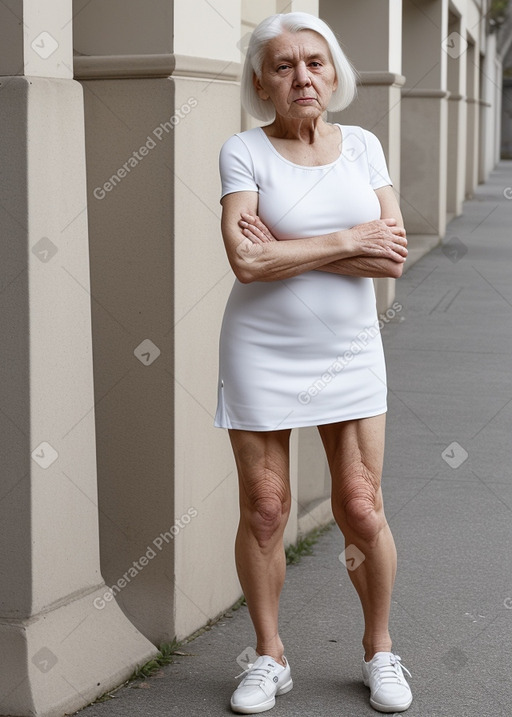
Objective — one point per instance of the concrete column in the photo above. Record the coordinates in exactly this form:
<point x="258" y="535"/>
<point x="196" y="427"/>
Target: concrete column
<point x="504" y="148"/>
<point x="205" y="474"/>
<point x="370" y="35"/>
<point x="485" y="117"/>
<point x="424" y="116"/>
<point x="63" y="640"/>
<point x="497" y="91"/>
<point x="506" y="139"/>
<point x="472" y="113"/>
<point x="456" y="145"/>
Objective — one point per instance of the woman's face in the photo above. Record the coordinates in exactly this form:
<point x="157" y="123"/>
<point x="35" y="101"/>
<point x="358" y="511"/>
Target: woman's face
<point x="297" y="75"/>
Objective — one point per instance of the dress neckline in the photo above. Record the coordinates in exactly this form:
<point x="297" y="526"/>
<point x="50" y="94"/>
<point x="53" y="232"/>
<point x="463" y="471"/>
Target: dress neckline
<point x="306" y="166"/>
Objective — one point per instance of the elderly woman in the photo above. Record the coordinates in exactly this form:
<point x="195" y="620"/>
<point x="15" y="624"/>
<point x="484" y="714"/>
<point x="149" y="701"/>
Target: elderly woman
<point x="309" y="216"/>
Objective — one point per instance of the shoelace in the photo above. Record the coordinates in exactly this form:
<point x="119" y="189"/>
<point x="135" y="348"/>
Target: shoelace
<point x="390" y="672"/>
<point x="253" y="675"/>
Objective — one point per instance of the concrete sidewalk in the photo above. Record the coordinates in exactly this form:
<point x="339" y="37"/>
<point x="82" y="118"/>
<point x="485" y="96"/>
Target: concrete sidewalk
<point x="448" y="496"/>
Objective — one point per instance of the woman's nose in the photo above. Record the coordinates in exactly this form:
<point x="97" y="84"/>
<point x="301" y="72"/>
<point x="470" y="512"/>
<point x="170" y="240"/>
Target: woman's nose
<point x="302" y="78"/>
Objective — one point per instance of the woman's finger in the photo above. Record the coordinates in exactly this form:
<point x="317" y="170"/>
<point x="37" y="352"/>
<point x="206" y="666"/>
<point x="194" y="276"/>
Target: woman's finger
<point x="400" y="250"/>
<point x="256" y="223"/>
<point x="250" y="234"/>
<point x="400" y="242"/>
<point x="250" y="225"/>
<point x="262" y="228"/>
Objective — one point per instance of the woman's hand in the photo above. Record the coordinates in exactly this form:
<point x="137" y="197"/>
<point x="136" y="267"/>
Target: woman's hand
<point x="253" y="228"/>
<point x="381" y="238"/>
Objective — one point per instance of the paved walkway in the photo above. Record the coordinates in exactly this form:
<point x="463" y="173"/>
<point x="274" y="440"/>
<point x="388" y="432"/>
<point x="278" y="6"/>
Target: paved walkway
<point x="448" y="495"/>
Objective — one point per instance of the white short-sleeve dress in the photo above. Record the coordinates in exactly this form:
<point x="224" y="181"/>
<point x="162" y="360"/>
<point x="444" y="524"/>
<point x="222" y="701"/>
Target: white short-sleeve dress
<point x="303" y="351"/>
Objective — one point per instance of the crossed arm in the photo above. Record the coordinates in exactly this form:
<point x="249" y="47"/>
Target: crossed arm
<point x="374" y="249"/>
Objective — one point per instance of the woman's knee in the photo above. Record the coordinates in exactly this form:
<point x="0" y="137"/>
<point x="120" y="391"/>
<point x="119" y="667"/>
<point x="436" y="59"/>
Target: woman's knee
<point x="265" y="507"/>
<point x="357" y="502"/>
<point x="265" y="500"/>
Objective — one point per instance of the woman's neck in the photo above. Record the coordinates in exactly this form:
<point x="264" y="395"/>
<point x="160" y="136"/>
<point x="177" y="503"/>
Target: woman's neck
<point x="303" y="130"/>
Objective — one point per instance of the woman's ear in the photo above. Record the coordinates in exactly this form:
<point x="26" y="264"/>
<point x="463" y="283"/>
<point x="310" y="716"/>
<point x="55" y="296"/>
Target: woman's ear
<point x="259" y="89"/>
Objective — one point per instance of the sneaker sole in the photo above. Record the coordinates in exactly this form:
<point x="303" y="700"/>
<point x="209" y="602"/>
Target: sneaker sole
<point x="390" y="708"/>
<point x="265" y="706"/>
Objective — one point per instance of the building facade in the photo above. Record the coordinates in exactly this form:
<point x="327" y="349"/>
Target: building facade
<point x="118" y="502"/>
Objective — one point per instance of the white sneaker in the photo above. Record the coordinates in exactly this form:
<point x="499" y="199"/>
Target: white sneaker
<point x="264" y="679"/>
<point x="389" y="691"/>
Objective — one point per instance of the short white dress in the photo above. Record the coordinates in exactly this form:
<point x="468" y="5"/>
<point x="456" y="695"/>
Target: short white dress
<point x="303" y="351"/>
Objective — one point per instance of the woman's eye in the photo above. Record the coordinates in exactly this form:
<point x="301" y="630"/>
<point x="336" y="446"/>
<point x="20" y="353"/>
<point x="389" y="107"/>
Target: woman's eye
<point x="315" y="64"/>
<point x="282" y="67"/>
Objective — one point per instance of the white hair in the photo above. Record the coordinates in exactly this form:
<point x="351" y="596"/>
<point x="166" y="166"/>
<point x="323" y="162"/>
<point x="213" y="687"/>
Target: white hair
<point x="274" y="26"/>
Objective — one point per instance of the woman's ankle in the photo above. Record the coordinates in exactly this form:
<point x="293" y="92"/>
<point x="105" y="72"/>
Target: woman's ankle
<point x="371" y="647"/>
<point x="276" y="652"/>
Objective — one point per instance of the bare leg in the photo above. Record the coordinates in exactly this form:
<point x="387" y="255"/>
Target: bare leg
<point x="355" y="452"/>
<point x="262" y="460"/>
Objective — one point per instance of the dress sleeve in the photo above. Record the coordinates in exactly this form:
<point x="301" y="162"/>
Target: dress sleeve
<point x="236" y="167"/>
<point x="379" y="175"/>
